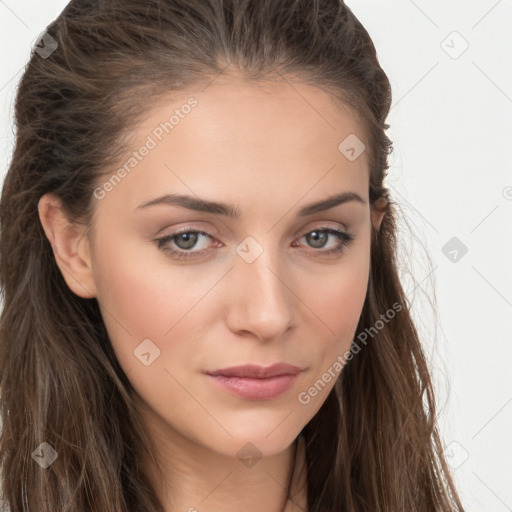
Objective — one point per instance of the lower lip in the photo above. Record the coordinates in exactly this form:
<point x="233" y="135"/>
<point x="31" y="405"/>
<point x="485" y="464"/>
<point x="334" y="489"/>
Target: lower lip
<point x="255" y="389"/>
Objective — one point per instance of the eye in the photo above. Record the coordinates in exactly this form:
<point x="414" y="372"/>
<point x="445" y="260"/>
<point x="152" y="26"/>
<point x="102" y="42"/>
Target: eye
<point x="318" y="238"/>
<point x="187" y="239"/>
<point x="184" y="240"/>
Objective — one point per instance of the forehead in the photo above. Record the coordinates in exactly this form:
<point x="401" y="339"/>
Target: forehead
<point x="237" y="138"/>
<point x="249" y="115"/>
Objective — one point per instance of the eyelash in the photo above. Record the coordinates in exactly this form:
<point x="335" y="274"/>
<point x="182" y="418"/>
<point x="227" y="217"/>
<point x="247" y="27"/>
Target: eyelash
<point x="345" y="237"/>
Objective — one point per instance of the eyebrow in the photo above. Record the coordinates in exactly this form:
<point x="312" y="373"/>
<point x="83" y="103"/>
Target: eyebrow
<point x="203" y="205"/>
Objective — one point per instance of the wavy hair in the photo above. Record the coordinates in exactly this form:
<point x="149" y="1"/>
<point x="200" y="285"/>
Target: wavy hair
<point x="374" y="443"/>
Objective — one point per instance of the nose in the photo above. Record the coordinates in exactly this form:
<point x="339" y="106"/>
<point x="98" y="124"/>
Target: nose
<point x="262" y="300"/>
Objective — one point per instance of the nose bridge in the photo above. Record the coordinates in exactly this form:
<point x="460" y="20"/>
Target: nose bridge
<point x="263" y="302"/>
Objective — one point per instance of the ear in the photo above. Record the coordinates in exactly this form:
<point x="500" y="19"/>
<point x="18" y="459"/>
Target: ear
<point x="378" y="210"/>
<point x="70" y="246"/>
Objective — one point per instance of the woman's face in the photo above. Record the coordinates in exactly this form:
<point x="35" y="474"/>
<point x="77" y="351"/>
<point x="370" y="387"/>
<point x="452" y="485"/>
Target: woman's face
<point x="267" y="286"/>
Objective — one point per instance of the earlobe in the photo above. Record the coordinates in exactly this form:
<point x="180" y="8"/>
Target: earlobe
<point x="70" y="246"/>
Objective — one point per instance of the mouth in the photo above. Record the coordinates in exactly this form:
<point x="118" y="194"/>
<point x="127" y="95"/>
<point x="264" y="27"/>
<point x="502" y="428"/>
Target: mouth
<point x="252" y="382"/>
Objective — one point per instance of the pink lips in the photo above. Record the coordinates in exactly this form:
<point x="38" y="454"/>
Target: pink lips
<point x="254" y="382"/>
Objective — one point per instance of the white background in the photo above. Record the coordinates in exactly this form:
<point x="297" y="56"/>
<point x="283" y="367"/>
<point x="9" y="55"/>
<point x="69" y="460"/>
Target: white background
<point x="451" y="173"/>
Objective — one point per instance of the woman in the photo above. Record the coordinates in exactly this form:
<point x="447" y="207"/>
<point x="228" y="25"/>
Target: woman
<point x="202" y="309"/>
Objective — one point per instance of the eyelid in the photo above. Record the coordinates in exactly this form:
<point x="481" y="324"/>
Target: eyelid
<point x="316" y="225"/>
<point x="321" y="224"/>
<point x="344" y="236"/>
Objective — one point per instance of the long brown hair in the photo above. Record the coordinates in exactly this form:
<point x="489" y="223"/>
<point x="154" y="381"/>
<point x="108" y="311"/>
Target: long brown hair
<point x="374" y="443"/>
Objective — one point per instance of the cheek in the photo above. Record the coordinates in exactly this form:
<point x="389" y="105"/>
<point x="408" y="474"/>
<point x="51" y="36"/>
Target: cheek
<point x="143" y="296"/>
<point x="137" y="298"/>
<point x="336" y="303"/>
<point x="338" y="297"/>
<point x="337" y="307"/>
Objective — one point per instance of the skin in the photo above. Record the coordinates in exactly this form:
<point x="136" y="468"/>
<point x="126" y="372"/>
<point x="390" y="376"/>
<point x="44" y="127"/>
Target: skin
<point x="268" y="150"/>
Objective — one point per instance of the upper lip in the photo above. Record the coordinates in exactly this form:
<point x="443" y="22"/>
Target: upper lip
<point x="257" y="372"/>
